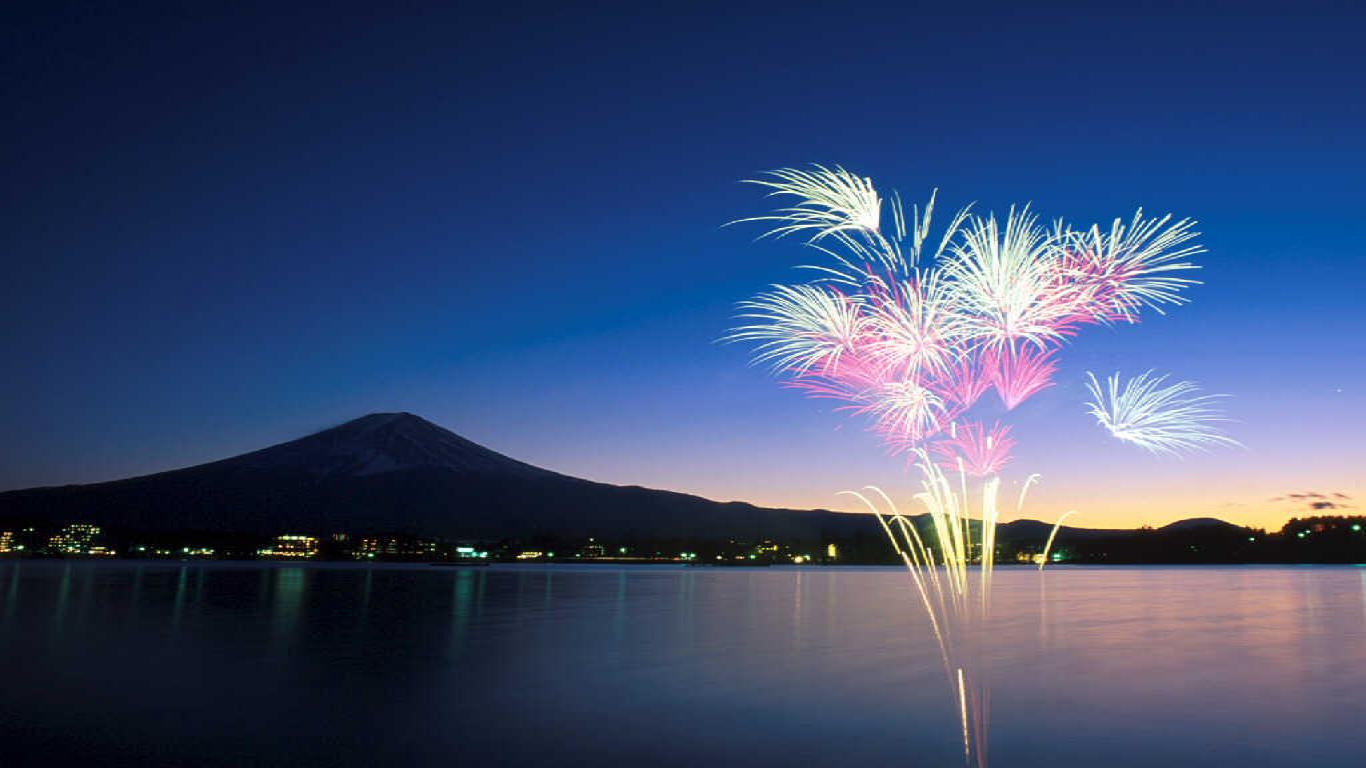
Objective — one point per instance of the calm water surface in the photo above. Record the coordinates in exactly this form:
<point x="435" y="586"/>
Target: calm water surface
<point x="250" y="664"/>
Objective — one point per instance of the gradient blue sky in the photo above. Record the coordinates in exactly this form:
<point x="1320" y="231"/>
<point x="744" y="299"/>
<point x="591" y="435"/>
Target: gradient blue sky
<point x="225" y="228"/>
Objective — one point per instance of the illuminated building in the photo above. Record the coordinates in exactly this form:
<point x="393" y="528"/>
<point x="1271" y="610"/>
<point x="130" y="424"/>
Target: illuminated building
<point x="75" y="539"/>
<point x="470" y="553"/>
<point x="291" y="547"/>
<point x="831" y="551"/>
<point x="396" y="548"/>
<point x="7" y="544"/>
<point x="594" y="549"/>
<point x="530" y="554"/>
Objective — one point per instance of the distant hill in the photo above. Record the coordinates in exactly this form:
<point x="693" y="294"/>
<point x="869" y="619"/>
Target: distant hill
<point x="398" y="472"/>
<point x="1199" y="523"/>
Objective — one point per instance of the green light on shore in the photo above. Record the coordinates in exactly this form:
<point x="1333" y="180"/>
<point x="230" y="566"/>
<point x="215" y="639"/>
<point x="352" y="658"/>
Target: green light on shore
<point x="1356" y="526"/>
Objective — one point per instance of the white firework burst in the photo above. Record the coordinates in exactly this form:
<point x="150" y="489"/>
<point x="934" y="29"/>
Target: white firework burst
<point x="840" y="205"/>
<point x="913" y="327"/>
<point x="1002" y="280"/>
<point x="801" y="328"/>
<point x="1158" y="417"/>
<point x="904" y="412"/>
<point x="829" y="200"/>
<point x="1137" y="263"/>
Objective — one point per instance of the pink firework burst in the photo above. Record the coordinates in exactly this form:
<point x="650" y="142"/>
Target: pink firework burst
<point x="974" y="449"/>
<point x="1091" y="287"/>
<point x="912" y="330"/>
<point x="910" y="336"/>
<point x="963" y="383"/>
<point x="1018" y="374"/>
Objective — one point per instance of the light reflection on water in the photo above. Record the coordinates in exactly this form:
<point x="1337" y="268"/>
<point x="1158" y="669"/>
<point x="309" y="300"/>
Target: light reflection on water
<point x="226" y="663"/>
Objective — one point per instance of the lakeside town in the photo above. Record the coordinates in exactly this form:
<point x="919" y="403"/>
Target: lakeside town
<point x="1308" y="540"/>
<point x="87" y="540"/>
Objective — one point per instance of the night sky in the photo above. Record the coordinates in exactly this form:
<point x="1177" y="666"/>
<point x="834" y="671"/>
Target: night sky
<point x="227" y="228"/>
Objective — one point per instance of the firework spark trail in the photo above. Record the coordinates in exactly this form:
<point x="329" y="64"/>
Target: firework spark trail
<point x="911" y="338"/>
<point x="1171" y="419"/>
<point x="1043" y="560"/>
<point x="956" y="604"/>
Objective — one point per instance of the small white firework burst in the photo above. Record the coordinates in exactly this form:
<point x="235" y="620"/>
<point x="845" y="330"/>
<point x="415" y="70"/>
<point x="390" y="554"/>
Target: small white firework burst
<point x="1141" y="262"/>
<point x="1171" y="419"/>
<point x="828" y="201"/>
<point x="801" y="328"/>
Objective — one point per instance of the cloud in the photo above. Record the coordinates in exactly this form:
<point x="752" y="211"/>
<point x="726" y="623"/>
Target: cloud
<point x="1317" y="501"/>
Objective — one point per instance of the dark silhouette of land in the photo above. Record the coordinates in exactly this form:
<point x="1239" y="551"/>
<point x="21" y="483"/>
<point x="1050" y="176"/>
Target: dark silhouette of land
<point x="402" y="475"/>
<point x="399" y="472"/>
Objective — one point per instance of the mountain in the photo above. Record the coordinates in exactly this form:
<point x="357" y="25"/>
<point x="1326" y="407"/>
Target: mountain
<point x="397" y="472"/>
<point x="1209" y="524"/>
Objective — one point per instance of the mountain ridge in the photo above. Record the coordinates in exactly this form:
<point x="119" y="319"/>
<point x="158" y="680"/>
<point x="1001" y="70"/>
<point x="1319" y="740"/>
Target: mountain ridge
<point x="398" y="471"/>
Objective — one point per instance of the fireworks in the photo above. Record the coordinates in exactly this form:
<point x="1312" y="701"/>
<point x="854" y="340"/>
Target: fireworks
<point x="911" y="340"/>
<point x="828" y="201"/>
<point x="1017" y="375"/>
<point x="938" y="561"/>
<point x="1133" y="264"/>
<point x="975" y="450"/>
<point x="912" y="328"/>
<point x="802" y="328"/>
<point x="911" y="337"/>
<point x="1002" y="281"/>
<point x="1053" y="534"/>
<point x="1171" y="419"/>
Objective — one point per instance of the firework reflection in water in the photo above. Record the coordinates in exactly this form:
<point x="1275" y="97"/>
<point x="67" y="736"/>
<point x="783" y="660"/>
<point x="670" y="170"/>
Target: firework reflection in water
<point x="911" y="337"/>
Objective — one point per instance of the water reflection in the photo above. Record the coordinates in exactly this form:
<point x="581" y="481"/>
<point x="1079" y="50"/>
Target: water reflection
<point x="178" y="607"/>
<point x="286" y="597"/>
<point x="510" y="665"/>
<point x="63" y="591"/>
<point x="460" y="606"/>
<point x="12" y="593"/>
<point x="135" y="594"/>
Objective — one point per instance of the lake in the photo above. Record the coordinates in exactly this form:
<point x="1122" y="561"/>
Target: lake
<point x="126" y="663"/>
